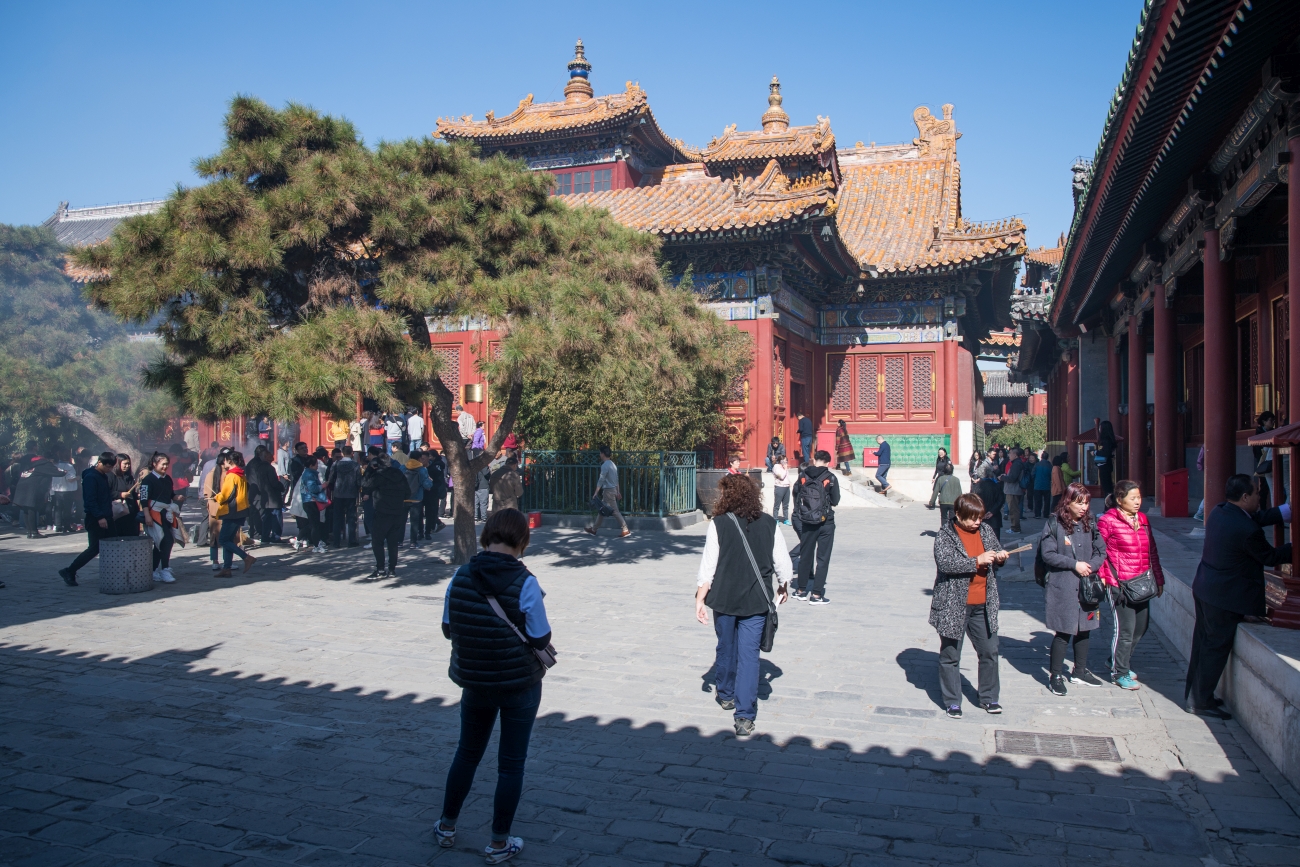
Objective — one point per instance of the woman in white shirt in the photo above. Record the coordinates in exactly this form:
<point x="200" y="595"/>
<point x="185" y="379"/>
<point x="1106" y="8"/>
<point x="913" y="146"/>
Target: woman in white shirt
<point x="781" y="482"/>
<point x="742" y="551"/>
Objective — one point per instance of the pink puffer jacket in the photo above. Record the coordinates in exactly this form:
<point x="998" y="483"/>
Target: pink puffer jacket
<point x="1130" y="551"/>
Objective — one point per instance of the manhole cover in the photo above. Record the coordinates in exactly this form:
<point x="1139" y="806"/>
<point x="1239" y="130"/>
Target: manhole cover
<point x="907" y="711"/>
<point x="1057" y="746"/>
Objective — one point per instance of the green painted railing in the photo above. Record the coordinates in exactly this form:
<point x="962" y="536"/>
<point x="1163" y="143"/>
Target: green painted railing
<point x="652" y="483"/>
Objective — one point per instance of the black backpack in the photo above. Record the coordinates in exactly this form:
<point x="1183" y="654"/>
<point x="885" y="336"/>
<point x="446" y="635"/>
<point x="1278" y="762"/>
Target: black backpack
<point x="814" y="501"/>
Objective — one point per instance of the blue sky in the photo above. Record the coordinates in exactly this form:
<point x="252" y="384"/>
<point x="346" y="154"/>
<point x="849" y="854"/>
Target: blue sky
<point x="107" y="102"/>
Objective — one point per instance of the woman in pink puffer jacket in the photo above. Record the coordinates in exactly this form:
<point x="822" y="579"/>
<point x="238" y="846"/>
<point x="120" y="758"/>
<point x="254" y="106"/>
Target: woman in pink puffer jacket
<point x="1130" y="551"/>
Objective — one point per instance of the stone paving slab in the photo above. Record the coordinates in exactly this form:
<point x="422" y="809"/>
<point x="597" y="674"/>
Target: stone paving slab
<point x="300" y="715"/>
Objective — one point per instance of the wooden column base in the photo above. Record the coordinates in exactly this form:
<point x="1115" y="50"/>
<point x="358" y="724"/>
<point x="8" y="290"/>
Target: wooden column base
<point x="1283" y="595"/>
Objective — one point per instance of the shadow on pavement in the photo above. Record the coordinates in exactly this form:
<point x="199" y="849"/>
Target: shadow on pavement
<point x="161" y="760"/>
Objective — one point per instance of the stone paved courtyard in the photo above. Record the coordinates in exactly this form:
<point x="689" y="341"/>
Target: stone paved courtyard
<point x="300" y="715"/>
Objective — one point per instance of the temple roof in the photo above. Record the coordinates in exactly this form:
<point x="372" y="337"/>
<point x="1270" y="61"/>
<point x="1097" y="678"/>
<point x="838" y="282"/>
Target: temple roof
<point x="732" y="147"/>
<point x="997" y="383"/>
<point x="82" y="227"/>
<point x="686" y="199"/>
<point x="1049" y="256"/>
<point x="900" y="205"/>
<point x="530" y="119"/>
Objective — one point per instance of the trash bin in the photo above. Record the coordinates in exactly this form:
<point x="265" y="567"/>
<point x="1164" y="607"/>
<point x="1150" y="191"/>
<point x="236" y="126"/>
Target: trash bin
<point x="1173" y="494"/>
<point x="125" y="565"/>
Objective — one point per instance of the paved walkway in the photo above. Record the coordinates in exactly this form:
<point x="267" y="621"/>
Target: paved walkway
<point x="300" y="715"/>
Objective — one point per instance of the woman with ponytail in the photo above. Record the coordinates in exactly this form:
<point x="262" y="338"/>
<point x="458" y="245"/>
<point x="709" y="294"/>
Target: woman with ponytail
<point x="1132" y="574"/>
<point x="1072" y="550"/>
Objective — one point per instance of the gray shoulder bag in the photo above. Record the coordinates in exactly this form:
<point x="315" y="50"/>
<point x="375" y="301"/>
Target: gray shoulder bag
<point x="545" y="657"/>
<point x="769" y="623"/>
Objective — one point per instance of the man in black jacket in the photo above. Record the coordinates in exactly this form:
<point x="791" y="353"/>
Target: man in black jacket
<point x="815" y="495"/>
<point x="1229" y="587"/>
<point x="387" y="488"/>
<point x="265" y="493"/>
<point x="97" y="496"/>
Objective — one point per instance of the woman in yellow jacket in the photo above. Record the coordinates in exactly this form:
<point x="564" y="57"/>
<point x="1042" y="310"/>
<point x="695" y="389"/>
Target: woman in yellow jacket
<point x="232" y="508"/>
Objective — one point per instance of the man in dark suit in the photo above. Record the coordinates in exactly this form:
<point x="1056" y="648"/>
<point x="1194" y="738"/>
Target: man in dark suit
<point x="1229" y="587"/>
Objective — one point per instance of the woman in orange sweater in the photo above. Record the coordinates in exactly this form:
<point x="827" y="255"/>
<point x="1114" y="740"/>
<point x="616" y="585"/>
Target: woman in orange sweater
<point x="965" y="602"/>
<point x="232" y="509"/>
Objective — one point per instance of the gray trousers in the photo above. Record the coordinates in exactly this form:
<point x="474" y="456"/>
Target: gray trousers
<point x="781" y="502"/>
<point x="481" y="505"/>
<point x="985" y="643"/>
<point x="610" y="496"/>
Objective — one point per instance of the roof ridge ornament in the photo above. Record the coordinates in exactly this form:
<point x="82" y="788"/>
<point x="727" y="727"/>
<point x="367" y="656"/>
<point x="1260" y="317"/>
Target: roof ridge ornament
<point x="935" y="137"/>
<point x="579" y="88"/>
<point x="775" y="119"/>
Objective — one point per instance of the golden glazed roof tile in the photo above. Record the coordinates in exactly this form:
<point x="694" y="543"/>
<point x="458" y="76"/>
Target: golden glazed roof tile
<point x="685" y="199"/>
<point x="760" y="145"/>
<point x="531" y="118"/>
<point x="899" y="205"/>
<point x="1050" y="256"/>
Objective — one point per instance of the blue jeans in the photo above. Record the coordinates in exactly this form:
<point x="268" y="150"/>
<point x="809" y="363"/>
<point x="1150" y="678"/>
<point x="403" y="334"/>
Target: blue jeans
<point x="229" y="535"/>
<point x="736" y="665"/>
<point x="881" y="472"/>
<point x="806" y="443"/>
<point x="478" y="715"/>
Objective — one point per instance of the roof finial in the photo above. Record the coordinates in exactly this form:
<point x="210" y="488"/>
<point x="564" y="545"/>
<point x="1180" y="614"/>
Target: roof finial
<point x="579" y="88"/>
<point x="775" y="119"/>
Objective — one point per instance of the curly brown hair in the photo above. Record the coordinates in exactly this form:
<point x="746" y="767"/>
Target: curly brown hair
<point x="738" y="495"/>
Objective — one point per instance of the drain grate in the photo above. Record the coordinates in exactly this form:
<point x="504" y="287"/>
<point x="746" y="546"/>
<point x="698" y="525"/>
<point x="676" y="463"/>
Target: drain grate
<point x="907" y="711"/>
<point x="1057" y="746"/>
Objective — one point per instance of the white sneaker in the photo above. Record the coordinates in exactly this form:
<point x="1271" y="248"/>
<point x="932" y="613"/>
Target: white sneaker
<point x="320" y="548"/>
<point x="165" y="576"/>
<point x="157" y="574"/>
<point x="365" y="547"/>
<point x="216" y="567"/>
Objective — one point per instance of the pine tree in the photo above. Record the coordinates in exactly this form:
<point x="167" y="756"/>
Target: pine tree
<point x="303" y="274"/>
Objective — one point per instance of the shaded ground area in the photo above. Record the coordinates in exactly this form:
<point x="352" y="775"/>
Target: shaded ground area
<point x="299" y="715"/>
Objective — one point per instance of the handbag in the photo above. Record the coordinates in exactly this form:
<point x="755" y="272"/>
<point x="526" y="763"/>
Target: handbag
<point x="769" y="623"/>
<point x="1091" y="588"/>
<point x="598" y="505"/>
<point x="1140" y="588"/>
<point x="545" y="657"/>
<point x="119" y="509"/>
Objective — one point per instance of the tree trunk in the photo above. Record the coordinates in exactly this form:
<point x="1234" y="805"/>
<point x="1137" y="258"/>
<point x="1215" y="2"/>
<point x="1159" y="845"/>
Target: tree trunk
<point x="92" y="423"/>
<point x="462" y="468"/>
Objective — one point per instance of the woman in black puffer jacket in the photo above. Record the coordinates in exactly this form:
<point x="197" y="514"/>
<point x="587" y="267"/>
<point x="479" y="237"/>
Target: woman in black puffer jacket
<point x="497" y="670"/>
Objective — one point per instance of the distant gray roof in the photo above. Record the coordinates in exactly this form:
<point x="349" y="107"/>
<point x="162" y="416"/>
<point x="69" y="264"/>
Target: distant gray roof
<point x="82" y="227"/>
<point x="996" y="384"/>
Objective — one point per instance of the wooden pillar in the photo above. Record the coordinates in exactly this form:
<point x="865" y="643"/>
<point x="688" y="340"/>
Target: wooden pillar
<point x="1166" y="420"/>
<point x="950" y="402"/>
<point x="1220" y="374"/>
<point x="1137" y="401"/>
<point x="1293" y="268"/>
<point x="1072" y="407"/>
<point x="1113" y="391"/>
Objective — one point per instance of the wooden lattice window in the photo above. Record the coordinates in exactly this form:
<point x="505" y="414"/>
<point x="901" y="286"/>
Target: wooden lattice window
<point x="799" y="365"/>
<point x="778" y="377"/>
<point x="895" y="384"/>
<point x="922" y="377"/>
<point x="736" y="391"/>
<point x="1281" y="359"/>
<point x="1247" y="370"/>
<point x="450" y="373"/>
<point x="868" y="384"/>
<point x="841" y="383"/>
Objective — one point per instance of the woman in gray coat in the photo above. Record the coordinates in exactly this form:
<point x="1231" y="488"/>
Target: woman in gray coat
<point x="965" y="602"/>
<point x="1071" y="549"/>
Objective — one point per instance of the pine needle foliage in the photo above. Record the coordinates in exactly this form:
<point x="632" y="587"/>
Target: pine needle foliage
<point x="305" y="271"/>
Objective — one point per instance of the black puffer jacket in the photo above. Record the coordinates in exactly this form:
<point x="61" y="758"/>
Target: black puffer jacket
<point x="486" y="654"/>
<point x="387" y="490"/>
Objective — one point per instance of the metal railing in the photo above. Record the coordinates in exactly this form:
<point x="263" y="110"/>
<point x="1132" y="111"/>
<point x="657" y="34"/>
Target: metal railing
<point x="652" y="483"/>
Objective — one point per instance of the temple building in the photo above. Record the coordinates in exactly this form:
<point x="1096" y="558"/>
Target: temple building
<point x="864" y="289"/>
<point x="1168" y="311"/>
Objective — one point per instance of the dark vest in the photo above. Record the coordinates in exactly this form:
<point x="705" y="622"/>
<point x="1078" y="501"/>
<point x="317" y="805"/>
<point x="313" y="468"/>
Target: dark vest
<point x="486" y="654"/>
<point x="735" y="591"/>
